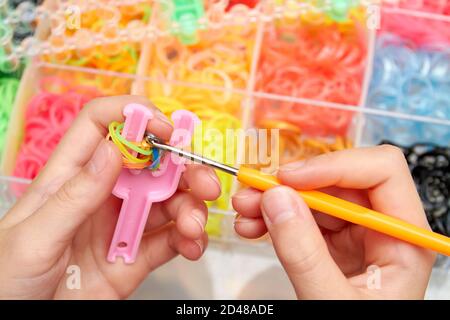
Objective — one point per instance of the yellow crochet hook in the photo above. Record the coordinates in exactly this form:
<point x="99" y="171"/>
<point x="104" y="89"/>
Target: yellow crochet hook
<point x="330" y="205"/>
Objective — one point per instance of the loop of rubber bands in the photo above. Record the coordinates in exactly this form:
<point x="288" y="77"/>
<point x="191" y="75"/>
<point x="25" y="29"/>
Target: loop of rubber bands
<point x="409" y="79"/>
<point x="47" y="117"/>
<point x="132" y="146"/>
<point x="146" y="158"/>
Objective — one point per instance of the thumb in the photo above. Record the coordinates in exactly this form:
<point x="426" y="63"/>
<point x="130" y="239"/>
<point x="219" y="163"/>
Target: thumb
<point x="53" y="225"/>
<point x="301" y="248"/>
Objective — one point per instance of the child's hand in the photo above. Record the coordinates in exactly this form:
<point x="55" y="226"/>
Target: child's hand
<point x="327" y="258"/>
<point x="67" y="216"/>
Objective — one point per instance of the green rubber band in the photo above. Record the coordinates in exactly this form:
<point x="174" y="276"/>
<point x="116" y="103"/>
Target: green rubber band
<point x="129" y="144"/>
<point x="78" y="62"/>
<point x="133" y="53"/>
<point x="8" y="90"/>
<point x="147" y="13"/>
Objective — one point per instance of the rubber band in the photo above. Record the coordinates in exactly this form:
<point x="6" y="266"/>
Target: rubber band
<point x="132" y="146"/>
<point x="169" y="52"/>
<point x="227" y="84"/>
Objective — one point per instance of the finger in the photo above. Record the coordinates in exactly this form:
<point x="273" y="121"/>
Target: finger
<point x="161" y="246"/>
<point x="301" y="248"/>
<point x="189" y="213"/>
<point x="247" y="202"/>
<point x="334" y="224"/>
<point x="51" y="228"/>
<point x="347" y="249"/>
<point x="329" y="223"/>
<point x="250" y="228"/>
<point x="382" y="170"/>
<point x="202" y="181"/>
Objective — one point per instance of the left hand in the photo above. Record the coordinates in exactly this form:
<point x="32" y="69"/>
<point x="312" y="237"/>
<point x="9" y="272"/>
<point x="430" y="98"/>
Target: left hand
<point x="68" y="215"/>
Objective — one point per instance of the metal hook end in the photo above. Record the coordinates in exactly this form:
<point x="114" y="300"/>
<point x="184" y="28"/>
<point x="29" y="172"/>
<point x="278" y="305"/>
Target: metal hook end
<point x="152" y="139"/>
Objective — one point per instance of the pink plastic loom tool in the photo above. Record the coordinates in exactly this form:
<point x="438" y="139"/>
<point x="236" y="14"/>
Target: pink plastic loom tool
<point x="140" y="188"/>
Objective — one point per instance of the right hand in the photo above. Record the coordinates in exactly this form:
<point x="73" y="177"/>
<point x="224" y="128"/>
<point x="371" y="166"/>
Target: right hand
<point x="328" y="258"/>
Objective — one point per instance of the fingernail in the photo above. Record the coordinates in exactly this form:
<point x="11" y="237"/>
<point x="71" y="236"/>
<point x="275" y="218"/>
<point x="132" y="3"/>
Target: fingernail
<point x="197" y="215"/>
<point x="214" y="177"/>
<point x="244" y="194"/>
<point x="100" y="158"/>
<point x="279" y="205"/>
<point x="200" y="245"/>
<point x="240" y="219"/>
<point x="292" y="166"/>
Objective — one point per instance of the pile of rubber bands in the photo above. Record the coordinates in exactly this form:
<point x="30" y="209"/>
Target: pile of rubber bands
<point x="8" y="89"/>
<point x="293" y="146"/>
<point x="430" y="168"/>
<point x="409" y="79"/>
<point x="136" y="155"/>
<point x="433" y="6"/>
<point x="303" y="60"/>
<point x="47" y="118"/>
<point x="109" y="21"/>
<point x="220" y="61"/>
<point x="421" y="31"/>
